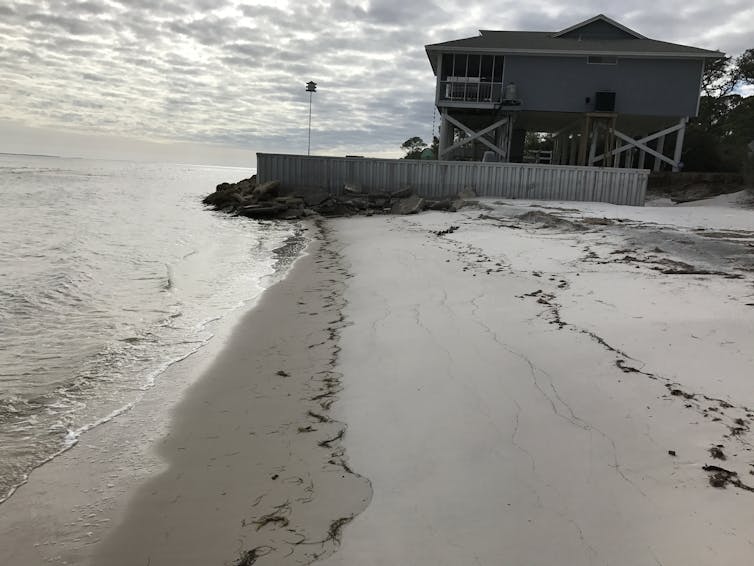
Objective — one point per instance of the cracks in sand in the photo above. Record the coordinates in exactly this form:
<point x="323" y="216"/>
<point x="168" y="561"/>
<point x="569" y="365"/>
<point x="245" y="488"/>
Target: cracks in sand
<point x="555" y="318"/>
<point x="738" y="419"/>
<point x="589" y="550"/>
<point x="516" y="425"/>
<point x="416" y="312"/>
<point x="560" y="407"/>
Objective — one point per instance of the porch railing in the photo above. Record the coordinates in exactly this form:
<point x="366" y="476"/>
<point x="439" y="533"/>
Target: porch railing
<point x="471" y="91"/>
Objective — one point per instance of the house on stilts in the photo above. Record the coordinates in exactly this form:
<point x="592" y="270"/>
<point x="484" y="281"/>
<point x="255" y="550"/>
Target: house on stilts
<point x="609" y="96"/>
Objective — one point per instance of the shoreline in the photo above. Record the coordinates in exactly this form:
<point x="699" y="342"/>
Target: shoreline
<point x="531" y="381"/>
<point x="268" y="452"/>
<point x="284" y="256"/>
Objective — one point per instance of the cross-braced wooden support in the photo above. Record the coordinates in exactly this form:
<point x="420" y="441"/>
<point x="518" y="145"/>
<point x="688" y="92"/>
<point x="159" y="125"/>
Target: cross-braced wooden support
<point x="502" y="130"/>
<point x="628" y="144"/>
<point x="594" y="140"/>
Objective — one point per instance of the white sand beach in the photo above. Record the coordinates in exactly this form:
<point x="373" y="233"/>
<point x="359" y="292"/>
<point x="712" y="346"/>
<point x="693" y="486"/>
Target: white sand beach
<point x="529" y="395"/>
<point x="541" y="383"/>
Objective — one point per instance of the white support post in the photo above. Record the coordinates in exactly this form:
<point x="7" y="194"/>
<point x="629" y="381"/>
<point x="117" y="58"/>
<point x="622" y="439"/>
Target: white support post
<point x="556" y="145"/>
<point x="509" y="138"/>
<point x="616" y="153"/>
<point x="555" y="150"/>
<point x="574" y="147"/>
<point x="447" y="134"/>
<point x="679" y="145"/>
<point x="439" y="82"/>
<point x="642" y="157"/>
<point x="500" y="134"/>
<point x="444" y="127"/>
<point x="660" y="149"/>
<point x="503" y="143"/>
<point x="593" y="147"/>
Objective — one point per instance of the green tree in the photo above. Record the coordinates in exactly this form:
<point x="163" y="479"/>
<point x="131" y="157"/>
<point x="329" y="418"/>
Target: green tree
<point x="717" y="139"/>
<point x="413" y="147"/>
<point x="746" y="66"/>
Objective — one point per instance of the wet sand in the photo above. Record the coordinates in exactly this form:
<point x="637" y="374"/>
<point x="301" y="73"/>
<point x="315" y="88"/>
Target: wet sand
<point x="254" y="463"/>
<point x="250" y="464"/>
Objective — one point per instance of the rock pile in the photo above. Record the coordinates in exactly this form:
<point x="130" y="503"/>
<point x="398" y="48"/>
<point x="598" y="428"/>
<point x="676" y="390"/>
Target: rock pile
<point x="272" y="201"/>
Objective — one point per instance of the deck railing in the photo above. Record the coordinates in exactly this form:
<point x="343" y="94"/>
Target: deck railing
<point x="471" y="90"/>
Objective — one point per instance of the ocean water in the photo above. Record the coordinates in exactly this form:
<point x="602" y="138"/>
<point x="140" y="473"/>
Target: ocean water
<point x="110" y="272"/>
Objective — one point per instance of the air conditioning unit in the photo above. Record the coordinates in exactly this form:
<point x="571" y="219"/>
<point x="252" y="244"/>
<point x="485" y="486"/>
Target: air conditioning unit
<point x="604" y="101"/>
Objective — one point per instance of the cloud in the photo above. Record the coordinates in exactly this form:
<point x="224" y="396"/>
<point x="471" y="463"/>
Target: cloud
<point x="232" y="72"/>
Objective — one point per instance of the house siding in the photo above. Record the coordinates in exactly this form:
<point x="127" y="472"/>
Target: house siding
<point x="648" y="87"/>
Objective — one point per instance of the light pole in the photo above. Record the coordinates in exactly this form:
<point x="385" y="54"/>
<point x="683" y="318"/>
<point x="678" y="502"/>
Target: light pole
<point x="311" y="88"/>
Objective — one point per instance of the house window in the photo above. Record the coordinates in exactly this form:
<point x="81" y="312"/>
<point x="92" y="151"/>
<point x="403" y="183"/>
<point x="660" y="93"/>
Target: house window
<point x="602" y="60"/>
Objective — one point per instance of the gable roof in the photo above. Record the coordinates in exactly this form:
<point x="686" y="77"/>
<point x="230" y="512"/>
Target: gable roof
<point x="600" y="18"/>
<point x="553" y="43"/>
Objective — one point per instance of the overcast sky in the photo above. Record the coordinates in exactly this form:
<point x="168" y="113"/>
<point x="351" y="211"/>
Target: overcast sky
<point x="213" y="81"/>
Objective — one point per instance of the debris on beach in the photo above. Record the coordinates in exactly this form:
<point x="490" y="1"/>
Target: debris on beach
<point x="251" y="556"/>
<point x="278" y="516"/>
<point x="449" y="230"/>
<point x="717" y="452"/>
<point x="721" y="478"/>
<point x="271" y="201"/>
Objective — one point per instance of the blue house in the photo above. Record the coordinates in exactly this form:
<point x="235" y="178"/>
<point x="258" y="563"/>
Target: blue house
<point x="608" y="95"/>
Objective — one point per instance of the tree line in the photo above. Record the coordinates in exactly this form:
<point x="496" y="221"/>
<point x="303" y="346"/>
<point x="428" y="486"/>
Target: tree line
<point x="718" y="139"/>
